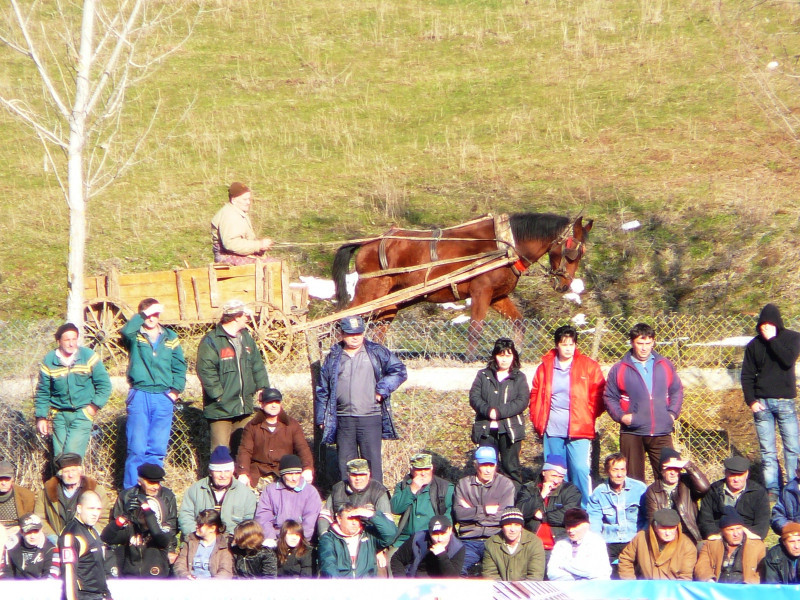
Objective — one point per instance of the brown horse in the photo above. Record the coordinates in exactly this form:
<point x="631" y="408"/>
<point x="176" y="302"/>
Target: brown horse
<point x="410" y="257"/>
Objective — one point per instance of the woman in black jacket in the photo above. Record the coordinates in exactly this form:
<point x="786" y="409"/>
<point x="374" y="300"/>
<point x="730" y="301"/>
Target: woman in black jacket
<point x="251" y="560"/>
<point x="499" y="397"/>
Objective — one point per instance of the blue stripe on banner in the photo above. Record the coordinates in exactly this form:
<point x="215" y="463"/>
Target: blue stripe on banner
<point x="407" y="589"/>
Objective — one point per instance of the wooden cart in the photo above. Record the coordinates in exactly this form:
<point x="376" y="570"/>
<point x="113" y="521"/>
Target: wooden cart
<point x="195" y="297"/>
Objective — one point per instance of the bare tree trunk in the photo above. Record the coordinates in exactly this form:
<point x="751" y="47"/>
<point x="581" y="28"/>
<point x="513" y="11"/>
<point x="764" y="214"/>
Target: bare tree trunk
<point x="76" y="184"/>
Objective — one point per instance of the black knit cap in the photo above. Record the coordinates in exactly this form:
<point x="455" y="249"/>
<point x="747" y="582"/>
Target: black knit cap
<point x="290" y="463"/>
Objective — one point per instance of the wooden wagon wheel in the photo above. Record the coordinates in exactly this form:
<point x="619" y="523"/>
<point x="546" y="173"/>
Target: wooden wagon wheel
<point x="272" y="331"/>
<point x="103" y="323"/>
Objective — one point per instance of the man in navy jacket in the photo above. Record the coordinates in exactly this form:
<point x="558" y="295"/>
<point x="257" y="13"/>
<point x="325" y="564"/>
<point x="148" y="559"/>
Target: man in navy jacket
<point x="644" y="395"/>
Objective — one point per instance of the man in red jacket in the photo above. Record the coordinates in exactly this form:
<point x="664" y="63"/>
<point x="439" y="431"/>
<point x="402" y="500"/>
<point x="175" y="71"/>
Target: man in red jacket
<point x="566" y="399"/>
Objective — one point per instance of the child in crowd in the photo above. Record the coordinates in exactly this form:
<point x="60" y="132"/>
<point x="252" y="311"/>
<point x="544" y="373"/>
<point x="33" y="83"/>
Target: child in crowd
<point x="251" y="560"/>
<point x="293" y="551"/>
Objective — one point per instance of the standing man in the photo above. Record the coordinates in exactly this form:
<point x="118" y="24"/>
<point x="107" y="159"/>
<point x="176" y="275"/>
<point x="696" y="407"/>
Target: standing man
<point x="231" y="371"/>
<point x="769" y="386"/>
<point x="85" y="559"/>
<point x="478" y="503"/>
<point x="73" y="385"/>
<point x="616" y="507"/>
<point x="644" y="395"/>
<point x="566" y="400"/>
<point x="144" y="521"/>
<point x="735" y="490"/>
<point x="352" y="400"/>
<point x="359" y="490"/>
<point x="419" y="497"/>
<point x="15" y="500"/>
<point x="157" y="376"/>
<point x="233" y="239"/>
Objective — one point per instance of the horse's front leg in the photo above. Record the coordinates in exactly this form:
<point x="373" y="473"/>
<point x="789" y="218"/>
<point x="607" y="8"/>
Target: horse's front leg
<point x="478" y="309"/>
<point x="506" y="307"/>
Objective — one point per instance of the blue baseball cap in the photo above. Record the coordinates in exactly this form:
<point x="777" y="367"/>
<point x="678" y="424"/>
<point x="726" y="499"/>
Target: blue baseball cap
<point x="486" y="455"/>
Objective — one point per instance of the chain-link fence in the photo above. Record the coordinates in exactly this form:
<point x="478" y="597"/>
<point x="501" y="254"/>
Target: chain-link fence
<point x="432" y="413"/>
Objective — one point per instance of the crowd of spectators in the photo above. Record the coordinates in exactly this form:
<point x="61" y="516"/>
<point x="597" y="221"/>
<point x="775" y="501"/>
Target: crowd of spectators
<point x="258" y="513"/>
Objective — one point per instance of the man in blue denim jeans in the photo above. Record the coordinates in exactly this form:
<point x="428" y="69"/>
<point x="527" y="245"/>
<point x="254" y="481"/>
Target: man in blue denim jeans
<point x="616" y="507"/>
<point x="769" y="386"/>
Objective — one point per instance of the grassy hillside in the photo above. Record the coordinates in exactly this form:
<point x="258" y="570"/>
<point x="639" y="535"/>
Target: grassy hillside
<point x="347" y="115"/>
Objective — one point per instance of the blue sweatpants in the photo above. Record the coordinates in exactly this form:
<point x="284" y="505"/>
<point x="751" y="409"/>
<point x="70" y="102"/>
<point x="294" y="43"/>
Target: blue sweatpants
<point x="148" y="428"/>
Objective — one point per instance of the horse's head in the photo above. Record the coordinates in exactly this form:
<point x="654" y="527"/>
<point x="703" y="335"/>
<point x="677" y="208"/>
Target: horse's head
<point x="565" y="253"/>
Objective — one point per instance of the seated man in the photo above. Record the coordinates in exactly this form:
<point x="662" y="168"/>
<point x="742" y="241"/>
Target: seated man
<point x="478" y="502"/>
<point x="233" y="239"/>
<point x="15" y="499"/>
<point x="266" y="439"/>
<point x="615" y="507"/>
<point x="420" y="497"/>
<point x="543" y="502"/>
<point x="514" y="554"/>
<point x="582" y="555"/>
<point x="781" y="561"/>
<point x="787" y="508"/>
<point x="232" y="500"/>
<point x="59" y="498"/>
<point x="359" y="490"/>
<point x="659" y="552"/>
<point x="291" y="497"/>
<point x="144" y="521"/>
<point x="680" y="486"/>
<point x="349" y="548"/>
<point x="31" y="555"/>
<point x="736" y="489"/>
<point x="432" y="553"/>
<point x="734" y="555"/>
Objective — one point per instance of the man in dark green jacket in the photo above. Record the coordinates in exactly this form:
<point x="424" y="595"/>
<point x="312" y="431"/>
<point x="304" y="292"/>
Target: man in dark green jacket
<point x="231" y="372"/>
<point x="419" y="497"/>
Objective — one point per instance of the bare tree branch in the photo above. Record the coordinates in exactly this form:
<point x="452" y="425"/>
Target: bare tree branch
<point x="17" y="108"/>
<point x="33" y="55"/>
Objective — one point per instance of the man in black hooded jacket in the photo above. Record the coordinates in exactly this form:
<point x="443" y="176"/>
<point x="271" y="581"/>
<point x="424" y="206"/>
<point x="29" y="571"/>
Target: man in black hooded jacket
<point x="769" y="386"/>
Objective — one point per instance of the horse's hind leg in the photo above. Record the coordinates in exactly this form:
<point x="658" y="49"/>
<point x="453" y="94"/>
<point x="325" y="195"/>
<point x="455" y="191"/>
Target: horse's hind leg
<point x="368" y="290"/>
<point x="506" y="307"/>
<point x="480" y="306"/>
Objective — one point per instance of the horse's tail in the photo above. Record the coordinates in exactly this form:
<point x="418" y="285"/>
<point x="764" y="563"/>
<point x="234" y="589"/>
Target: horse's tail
<point x="341" y="266"/>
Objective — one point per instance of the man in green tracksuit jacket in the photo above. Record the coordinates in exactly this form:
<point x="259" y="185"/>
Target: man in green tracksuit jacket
<point x="231" y="372"/>
<point x="348" y="549"/>
<point x="73" y="385"/>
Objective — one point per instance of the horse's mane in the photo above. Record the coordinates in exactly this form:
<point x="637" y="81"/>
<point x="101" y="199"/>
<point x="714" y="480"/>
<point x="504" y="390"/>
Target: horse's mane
<point x="537" y="226"/>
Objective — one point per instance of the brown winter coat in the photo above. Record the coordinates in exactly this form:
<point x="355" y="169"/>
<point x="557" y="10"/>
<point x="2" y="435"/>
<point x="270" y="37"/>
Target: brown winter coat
<point x="25" y="501"/>
<point x="261" y="450"/>
<point x="220" y="563"/>
<point x="50" y="509"/>
<point x="709" y="561"/>
<point x="641" y="558"/>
